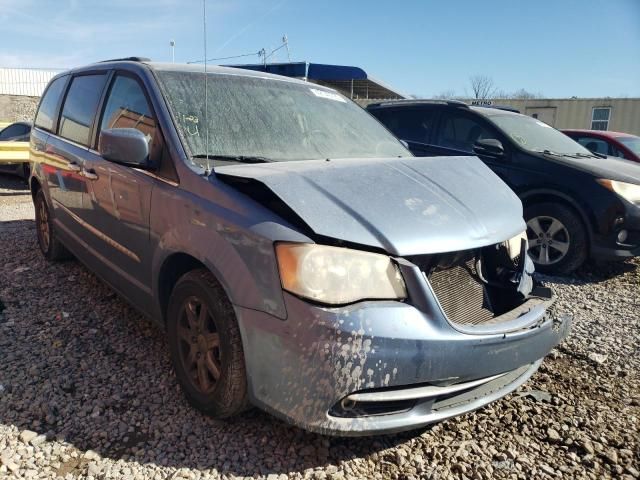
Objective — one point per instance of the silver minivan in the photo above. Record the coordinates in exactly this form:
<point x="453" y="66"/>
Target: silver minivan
<point x="299" y="257"/>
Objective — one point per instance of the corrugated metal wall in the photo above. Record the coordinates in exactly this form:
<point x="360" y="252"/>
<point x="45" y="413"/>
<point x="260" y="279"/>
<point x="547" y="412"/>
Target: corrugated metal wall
<point x="577" y="112"/>
<point x="24" y="81"/>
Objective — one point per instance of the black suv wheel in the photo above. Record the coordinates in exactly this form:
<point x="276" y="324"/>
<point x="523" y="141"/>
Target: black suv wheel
<point x="558" y="241"/>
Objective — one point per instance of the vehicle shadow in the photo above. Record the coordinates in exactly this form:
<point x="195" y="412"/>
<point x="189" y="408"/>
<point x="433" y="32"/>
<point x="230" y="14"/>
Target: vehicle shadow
<point x="13" y="182"/>
<point x="80" y="366"/>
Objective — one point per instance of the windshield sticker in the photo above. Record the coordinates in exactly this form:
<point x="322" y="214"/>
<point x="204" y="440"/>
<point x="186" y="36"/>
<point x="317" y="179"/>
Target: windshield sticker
<point x="542" y="124"/>
<point x="327" y="95"/>
<point x="518" y="138"/>
<point x="191" y="124"/>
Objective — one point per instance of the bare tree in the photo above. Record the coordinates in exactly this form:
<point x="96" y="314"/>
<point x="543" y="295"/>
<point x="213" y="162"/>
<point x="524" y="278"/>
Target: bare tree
<point x="520" y="94"/>
<point x="523" y="94"/>
<point x="445" y="95"/>
<point x="482" y="87"/>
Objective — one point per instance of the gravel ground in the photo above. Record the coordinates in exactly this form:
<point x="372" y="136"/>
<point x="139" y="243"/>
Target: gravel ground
<point x="87" y="391"/>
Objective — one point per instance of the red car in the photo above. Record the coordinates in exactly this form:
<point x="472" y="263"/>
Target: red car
<point x="615" y="144"/>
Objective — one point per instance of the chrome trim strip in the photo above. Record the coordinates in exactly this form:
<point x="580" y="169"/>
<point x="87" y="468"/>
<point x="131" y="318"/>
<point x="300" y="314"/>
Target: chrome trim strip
<point x="156" y="177"/>
<point x="418" y="392"/>
<point x="70" y="142"/>
<point x="122" y="249"/>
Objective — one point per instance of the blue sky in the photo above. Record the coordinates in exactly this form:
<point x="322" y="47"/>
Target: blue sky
<point x="558" y="48"/>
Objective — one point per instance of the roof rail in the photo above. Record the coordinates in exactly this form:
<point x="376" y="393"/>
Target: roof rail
<point x="490" y="104"/>
<point x="127" y="59"/>
<point x="506" y="108"/>
<point x="415" y="101"/>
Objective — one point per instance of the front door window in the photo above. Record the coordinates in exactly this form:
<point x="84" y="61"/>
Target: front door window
<point x="461" y="132"/>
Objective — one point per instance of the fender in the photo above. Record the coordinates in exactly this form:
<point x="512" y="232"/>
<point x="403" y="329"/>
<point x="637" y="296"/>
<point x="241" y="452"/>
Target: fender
<point x="586" y="217"/>
<point x="236" y="248"/>
<point x="227" y="264"/>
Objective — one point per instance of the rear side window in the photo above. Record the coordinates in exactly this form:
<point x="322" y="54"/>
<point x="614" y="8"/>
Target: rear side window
<point x="410" y="124"/>
<point x="47" y="111"/>
<point x="80" y="107"/>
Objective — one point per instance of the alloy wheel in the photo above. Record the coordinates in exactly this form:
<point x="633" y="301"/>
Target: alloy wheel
<point x="44" y="234"/>
<point x="199" y="345"/>
<point x="549" y="240"/>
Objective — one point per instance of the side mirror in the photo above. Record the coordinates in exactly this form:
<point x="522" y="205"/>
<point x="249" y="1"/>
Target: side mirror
<point x="489" y="147"/>
<point x="128" y="146"/>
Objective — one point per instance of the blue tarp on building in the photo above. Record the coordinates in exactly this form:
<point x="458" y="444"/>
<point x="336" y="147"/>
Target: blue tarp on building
<point x="353" y="82"/>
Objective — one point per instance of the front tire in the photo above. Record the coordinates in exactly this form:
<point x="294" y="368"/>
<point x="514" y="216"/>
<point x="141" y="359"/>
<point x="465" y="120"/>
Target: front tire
<point x="50" y="246"/>
<point x="205" y="345"/>
<point x="558" y="240"/>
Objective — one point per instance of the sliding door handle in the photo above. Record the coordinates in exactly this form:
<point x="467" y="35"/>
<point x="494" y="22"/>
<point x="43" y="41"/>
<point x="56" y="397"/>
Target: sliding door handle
<point x="89" y="174"/>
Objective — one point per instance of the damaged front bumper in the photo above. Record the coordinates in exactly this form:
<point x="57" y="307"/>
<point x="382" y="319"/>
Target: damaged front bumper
<point x="383" y="367"/>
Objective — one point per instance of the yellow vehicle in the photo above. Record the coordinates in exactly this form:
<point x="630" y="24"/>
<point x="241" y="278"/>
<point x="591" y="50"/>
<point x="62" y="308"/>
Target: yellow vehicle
<point x="14" y="148"/>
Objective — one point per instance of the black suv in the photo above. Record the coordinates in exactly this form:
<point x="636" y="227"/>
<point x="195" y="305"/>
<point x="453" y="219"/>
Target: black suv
<point x="577" y="204"/>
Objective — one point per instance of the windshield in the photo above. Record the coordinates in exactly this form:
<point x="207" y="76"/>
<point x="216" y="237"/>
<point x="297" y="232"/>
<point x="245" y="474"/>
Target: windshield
<point x="632" y="143"/>
<point x="273" y="120"/>
<point x="537" y="136"/>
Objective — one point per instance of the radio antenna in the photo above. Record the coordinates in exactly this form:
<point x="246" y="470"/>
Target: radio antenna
<point x="206" y="102"/>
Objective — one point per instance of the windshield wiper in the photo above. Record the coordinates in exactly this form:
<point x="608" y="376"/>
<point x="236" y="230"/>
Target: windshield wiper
<point x="235" y="158"/>
<point x="549" y="152"/>
<point x="556" y="154"/>
<point x="591" y="155"/>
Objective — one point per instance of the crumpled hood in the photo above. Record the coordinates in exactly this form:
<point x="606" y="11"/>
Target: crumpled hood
<point x="406" y="206"/>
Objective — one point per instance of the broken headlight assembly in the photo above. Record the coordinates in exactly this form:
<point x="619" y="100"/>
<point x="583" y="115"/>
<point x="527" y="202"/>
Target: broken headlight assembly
<point x="336" y="276"/>
<point x="514" y="245"/>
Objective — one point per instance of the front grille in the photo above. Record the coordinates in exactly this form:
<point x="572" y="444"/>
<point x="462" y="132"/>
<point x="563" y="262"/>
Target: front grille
<point x="461" y="292"/>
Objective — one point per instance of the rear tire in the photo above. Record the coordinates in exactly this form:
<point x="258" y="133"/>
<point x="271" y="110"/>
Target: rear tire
<point x="50" y="246"/>
<point x="558" y="240"/>
<point x="205" y="345"/>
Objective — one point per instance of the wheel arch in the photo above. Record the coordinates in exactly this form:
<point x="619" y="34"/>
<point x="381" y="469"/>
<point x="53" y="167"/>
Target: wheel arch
<point x="34" y="186"/>
<point x="173" y="267"/>
<point x="177" y="263"/>
<point x="532" y="197"/>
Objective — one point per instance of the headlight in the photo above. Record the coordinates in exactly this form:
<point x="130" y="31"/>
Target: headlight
<point x="335" y="276"/>
<point x="628" y="191"/>
<point x="514" y="245"/>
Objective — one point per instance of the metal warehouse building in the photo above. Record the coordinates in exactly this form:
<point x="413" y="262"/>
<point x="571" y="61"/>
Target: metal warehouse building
<point x="29" y="82"/>
<point x="615" y="114"/>
<point x="20" y="90"/>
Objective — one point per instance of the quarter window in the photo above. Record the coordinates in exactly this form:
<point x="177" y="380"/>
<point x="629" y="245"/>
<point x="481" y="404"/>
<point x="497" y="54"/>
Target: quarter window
<point x="80" y="107"/>
<point x="600" y="118"/>
<point x="47" y="111"/>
